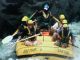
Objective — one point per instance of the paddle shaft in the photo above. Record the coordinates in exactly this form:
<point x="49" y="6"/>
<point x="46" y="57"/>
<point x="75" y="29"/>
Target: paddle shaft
<point x="30" y="37"/>
<point x="33" y="14"/>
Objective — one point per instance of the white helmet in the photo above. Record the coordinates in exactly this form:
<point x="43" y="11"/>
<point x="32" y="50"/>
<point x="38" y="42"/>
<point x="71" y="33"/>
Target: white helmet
<point x="46" y="7"/>
<point x="62" y="17"/>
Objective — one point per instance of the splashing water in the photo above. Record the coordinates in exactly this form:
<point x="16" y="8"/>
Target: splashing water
<point x="74" y="27"/>
<point x="7" y="51"/>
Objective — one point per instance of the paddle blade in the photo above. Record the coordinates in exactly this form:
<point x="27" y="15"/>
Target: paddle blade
<point x="7" y="39"/>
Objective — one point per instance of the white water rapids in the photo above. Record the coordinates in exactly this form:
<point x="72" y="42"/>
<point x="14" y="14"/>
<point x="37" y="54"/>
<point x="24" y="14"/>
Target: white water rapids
<point x="7" y="51"/>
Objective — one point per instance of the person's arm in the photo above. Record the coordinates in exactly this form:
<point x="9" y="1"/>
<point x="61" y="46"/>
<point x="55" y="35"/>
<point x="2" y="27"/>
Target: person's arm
<point x="56" y="19"/>
<point x="53" y="17"/>
<point x="33" y="14"/>
<point x="15" y="32"/>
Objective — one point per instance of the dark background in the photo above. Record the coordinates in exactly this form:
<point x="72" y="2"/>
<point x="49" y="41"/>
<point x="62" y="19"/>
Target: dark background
<point x="11" y="12"/>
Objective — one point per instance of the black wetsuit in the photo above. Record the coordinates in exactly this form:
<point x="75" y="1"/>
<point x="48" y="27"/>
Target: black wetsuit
<point x="44" y="23"/>
<point x="25" y="31"/>
<point x="66" y="35"/>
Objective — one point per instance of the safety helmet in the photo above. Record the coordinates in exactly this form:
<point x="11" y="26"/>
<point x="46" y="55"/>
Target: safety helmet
<point x="30" y="22"/>
<point x="64" y="21"/>
<point x="65" y="25"/>
<point x="62" y="17"/>
<point x="46" y="7"/>
<point x="25" y="18"/>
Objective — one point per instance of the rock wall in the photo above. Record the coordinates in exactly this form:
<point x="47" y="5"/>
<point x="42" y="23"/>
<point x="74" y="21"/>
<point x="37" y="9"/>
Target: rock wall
<point x="11" y="11"/>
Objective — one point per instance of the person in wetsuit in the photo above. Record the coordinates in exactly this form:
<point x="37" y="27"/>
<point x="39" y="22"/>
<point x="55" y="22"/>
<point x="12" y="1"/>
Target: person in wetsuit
<point x="26" y="28"/>
<point x="44" y="18"/>
<point x="62" y="33"/>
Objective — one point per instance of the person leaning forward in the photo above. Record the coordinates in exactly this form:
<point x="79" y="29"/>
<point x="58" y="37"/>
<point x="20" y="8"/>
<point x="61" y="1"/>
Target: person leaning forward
<point x="62" y="31"/>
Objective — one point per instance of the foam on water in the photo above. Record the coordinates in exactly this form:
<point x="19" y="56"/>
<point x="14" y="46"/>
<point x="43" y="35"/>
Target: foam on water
<point x="7" y="51"/>
<point x="74" y="27"/>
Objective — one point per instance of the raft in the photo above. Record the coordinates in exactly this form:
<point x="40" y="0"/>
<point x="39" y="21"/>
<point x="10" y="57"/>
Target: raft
<point x="47" y="46"/>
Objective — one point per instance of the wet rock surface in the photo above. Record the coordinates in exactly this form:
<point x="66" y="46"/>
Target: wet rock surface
<point x="11" y="11"/>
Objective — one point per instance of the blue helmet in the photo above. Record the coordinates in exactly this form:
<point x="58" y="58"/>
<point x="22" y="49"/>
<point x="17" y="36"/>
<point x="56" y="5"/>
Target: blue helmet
<point x="46" y="7"/>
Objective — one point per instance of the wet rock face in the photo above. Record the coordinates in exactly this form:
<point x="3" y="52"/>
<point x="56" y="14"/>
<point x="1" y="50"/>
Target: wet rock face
<point x="11" y="11"/>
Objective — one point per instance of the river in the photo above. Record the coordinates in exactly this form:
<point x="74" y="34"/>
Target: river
<point x="7" y="51"/>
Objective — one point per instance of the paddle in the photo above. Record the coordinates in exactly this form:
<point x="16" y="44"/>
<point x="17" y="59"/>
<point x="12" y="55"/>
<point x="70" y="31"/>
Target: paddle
<point x="31" y="36"/>
<point x="10" y="37"/>
<point x="26" y="38"/>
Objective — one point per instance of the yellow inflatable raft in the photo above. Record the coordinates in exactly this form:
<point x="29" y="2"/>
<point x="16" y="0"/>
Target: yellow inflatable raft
<point x="46" y="46"/>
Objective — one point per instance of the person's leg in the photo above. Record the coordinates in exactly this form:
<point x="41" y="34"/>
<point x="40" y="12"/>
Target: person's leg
<point x="56" y="36"/>
<point x="65" y="38"/>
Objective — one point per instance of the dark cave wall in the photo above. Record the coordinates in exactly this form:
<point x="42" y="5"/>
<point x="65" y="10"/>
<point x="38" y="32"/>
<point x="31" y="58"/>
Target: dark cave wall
<point x="11" y="11"/>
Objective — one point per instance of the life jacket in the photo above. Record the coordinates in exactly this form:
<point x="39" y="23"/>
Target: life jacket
<point x="45" y="15"/>
<point x="25" y="27"/>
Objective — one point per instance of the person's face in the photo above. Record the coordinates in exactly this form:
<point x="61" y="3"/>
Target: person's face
<point x="30" y="26"/>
